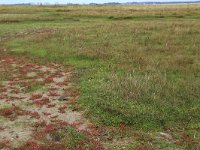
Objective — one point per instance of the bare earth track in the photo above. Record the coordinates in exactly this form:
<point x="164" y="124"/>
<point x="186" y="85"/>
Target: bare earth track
<point x="34" y="103"/>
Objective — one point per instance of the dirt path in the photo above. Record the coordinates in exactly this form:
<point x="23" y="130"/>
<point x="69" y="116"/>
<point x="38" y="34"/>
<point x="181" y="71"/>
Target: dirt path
<point x="34" y="103"/>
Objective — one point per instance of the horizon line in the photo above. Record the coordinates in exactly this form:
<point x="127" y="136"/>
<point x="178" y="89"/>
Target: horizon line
<point x="113" y="2"/>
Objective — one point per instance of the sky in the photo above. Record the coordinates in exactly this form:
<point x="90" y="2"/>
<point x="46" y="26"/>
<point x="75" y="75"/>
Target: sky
<point x="75" y="1"/>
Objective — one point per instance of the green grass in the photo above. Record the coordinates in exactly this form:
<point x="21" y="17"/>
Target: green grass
<point x="4" y="76"/>
<point x="72" y="139"/>
<point x="138" y="65"/>
<point x="34" y="87"/>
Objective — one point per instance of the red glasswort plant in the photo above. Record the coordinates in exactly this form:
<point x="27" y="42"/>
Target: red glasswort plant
<point x="46" y="114"/>
<point x="35" y="96"/>
<point x="33" y="114"/>
<point x="51" y="105"/>
<point x="5" y="144"/>
<point x="12" y="112"/>
<point x="39" y="136"/>
<point x="41" y="102"/>
<point x="30" y="145"/>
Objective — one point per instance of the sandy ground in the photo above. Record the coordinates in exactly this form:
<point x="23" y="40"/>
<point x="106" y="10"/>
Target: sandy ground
<point x="34" y="101"/>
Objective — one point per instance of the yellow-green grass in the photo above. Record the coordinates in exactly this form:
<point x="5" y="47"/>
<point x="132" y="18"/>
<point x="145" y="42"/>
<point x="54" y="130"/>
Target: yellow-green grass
<point x="138" y="65"/>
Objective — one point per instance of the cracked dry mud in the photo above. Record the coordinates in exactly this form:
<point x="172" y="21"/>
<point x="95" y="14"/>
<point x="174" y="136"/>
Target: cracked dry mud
<point x="34" y="101"/>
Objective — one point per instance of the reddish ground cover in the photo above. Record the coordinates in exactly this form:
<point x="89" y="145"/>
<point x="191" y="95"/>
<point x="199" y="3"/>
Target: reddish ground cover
<point x="33" y="105"/>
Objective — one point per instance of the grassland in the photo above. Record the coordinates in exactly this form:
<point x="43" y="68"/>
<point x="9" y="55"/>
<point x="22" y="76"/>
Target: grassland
<point x="138" y="66"/>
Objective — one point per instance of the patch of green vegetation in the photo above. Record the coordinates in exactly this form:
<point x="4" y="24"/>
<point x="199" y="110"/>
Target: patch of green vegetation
<point x="132" y="146"/>
<point x="4" y="76"/>
<point x="148" y="17"/>
<point x="35" y="87"/>
<point x="161" y="144"/>
<point x="5" y="106"/>
<point x="71" y="138"/>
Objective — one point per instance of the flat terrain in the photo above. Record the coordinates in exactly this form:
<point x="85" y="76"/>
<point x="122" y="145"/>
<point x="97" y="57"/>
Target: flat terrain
<point x="100" y="77"/>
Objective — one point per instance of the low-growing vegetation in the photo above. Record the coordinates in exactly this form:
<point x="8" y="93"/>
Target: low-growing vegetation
<point x="137" y="66"/>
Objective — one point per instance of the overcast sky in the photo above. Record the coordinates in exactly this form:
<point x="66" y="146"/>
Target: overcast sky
<point x="75" y="1"/>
